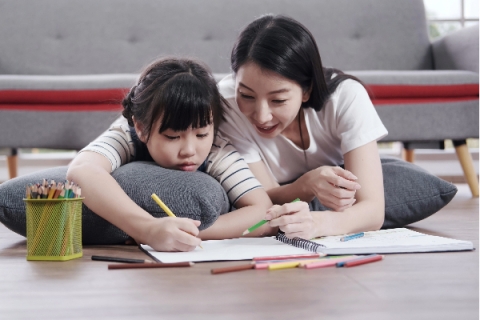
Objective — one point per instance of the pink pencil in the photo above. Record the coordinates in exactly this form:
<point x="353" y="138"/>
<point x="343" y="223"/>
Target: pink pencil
<point x="327" y="262"/>
<point x="358" y="262"/>
<point x="261" y="266"/>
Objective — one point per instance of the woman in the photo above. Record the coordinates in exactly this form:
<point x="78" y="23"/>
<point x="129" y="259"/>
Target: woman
<point x="296" y="123"/>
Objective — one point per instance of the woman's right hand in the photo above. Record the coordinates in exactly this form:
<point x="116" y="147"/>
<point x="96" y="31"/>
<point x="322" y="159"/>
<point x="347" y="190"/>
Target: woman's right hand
<point x="172" y="234"/>
<point x="334" y="187"/>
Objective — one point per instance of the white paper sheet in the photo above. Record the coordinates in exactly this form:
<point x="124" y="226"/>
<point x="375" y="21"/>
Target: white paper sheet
<point x="230" y="249"/>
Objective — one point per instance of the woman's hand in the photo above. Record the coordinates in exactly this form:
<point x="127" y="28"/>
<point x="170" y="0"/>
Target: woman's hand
<point x="334" y="187"/>
<point x="294" y="219"/>
<point x="172" y="234"/>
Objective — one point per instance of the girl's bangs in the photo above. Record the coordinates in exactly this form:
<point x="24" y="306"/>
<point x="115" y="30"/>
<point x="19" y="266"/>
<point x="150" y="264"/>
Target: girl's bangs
<point x="186" y="104"/>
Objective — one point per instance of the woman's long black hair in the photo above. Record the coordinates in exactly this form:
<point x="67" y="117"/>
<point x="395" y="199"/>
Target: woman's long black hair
<point x="283" y="45"/>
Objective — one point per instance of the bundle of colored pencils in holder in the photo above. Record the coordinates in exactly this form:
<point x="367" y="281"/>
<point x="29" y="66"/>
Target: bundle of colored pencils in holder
<point x="54" y="212"/>
<point x="53" y="190"/>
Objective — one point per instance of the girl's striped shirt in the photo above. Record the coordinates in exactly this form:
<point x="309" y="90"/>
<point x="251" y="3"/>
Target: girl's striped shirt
<point x="224" y="163"/>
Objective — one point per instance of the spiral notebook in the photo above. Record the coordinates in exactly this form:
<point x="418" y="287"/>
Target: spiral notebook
<point x="400" y="240"/>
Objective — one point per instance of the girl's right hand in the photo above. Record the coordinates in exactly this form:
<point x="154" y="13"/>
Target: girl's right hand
<point x="173" y="234"/>
<point x="334" y="187"/>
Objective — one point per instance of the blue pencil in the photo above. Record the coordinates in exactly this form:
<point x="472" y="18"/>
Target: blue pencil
<point x="352" y="236"/>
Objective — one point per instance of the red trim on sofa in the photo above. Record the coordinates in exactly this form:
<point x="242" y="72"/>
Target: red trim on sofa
<point x="422" y="91"/>
<point x="62" y="107"/>
<point x="89" y="96"/>
<point x="110" y="99"/>
<point x="378" y="102"/>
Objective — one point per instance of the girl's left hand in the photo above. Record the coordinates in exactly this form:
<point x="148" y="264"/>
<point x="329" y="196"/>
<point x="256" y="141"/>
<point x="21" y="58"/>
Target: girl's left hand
<point x="295" y="219"/>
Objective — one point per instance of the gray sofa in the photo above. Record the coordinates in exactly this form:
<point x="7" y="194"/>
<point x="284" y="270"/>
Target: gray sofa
<point x="65" y="65"/>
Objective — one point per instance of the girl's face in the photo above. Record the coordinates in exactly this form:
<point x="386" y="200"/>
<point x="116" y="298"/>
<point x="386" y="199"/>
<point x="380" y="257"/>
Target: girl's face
<point x="270" y="101"/>
<point x="179" y="150"/>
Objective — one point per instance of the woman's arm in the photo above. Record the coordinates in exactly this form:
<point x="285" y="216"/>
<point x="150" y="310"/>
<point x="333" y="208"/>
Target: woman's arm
<point x="251" y="209"/>
<point x="367" y="213"/>
<point x="106" y="198"/>
<point x="334" y="187"/>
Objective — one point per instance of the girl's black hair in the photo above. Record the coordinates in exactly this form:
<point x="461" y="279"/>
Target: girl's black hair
<point x="283" y="45"/>
<point x="181" y="91"/>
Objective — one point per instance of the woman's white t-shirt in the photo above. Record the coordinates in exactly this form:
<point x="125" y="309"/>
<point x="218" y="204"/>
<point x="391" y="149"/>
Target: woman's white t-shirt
<point x="347" y="121"/>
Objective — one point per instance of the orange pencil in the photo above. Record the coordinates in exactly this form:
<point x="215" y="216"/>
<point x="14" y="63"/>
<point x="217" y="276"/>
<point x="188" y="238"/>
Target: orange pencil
<point x="233" y="268"/>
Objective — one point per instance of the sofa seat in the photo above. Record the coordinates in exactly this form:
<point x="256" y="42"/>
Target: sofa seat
<point x="59" y="111"/>
<point x="425" y="105"/>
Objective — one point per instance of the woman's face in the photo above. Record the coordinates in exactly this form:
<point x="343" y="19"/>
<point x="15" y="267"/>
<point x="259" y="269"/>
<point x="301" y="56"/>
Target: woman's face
<point x="270" y="101"/>
<point x="179" y="150"/>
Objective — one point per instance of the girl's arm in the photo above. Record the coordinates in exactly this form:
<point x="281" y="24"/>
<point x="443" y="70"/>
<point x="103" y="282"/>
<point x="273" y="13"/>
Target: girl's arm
<point x="251" y="209"/>
<point x="106" y="198"/>
<point x="367" y="213"/>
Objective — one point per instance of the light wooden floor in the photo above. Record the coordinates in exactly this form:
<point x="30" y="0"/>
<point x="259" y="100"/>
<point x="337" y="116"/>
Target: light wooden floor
<point x="402" y="286"/>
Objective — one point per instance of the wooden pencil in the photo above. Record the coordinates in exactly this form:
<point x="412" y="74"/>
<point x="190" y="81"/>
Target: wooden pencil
<point x="233" y="268"/>
<point x="149" y="265"/>
<point x="53" y="188"/>
<point x="363" y="260"/>
<point x="119" y="259"/>
<point x="28" y="193"/>
<point x="58" y="189"/>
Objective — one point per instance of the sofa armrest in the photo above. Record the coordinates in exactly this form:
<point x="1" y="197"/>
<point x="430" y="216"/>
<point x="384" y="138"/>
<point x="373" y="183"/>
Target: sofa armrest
<point x="457" y="51"/>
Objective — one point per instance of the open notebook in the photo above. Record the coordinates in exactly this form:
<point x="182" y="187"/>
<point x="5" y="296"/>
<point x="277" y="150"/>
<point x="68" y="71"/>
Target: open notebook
<point x="400" y="240"/>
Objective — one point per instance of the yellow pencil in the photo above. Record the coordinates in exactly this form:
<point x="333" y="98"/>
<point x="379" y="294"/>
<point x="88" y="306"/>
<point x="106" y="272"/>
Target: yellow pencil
<point x="163" y="205"/>
<point x="283" y="265"/>
<point x="165" y="208"/>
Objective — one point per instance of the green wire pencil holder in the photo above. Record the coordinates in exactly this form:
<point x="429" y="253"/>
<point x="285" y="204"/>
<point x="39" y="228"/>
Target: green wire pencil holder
<point x="54" y="229"/>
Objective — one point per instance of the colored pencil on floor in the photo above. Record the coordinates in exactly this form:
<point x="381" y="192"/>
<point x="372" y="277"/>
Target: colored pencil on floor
<point x="119" y="259"/>
<point x="233" y="268"/>
<point x="149" y="265"/>
<point x="360" y="261"/>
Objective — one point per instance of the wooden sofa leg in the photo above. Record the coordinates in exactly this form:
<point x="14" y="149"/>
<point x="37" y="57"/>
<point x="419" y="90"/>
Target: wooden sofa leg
<point x="12" y="163"/>
<point x="466" y="161"/>
<point x="408" y="155"/>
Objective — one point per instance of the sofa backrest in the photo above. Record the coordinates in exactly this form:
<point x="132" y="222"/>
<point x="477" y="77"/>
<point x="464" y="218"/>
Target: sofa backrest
<point x="121" y="36"/>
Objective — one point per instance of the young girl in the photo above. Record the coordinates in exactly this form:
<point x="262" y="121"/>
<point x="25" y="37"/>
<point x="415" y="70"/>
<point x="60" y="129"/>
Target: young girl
<point x="170" y="117"/>
<point x="296" y="123"/>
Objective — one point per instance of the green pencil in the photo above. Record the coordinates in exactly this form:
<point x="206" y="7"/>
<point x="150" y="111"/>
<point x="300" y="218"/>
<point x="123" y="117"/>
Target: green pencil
<point x="259" y="224"/>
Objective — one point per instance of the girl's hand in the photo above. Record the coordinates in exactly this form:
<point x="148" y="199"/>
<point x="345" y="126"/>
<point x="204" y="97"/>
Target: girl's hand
<point x="173" y="234"/>
<point x="295" y="219"/>
<point x="334" y="187"/>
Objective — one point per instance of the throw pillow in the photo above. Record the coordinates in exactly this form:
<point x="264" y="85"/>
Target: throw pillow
<point x="411" y="193"/>
<point x="194" y="195"/>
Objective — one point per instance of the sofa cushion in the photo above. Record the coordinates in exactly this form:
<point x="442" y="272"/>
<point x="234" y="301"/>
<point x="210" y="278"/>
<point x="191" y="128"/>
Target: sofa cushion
<point x="110" y="36"/>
